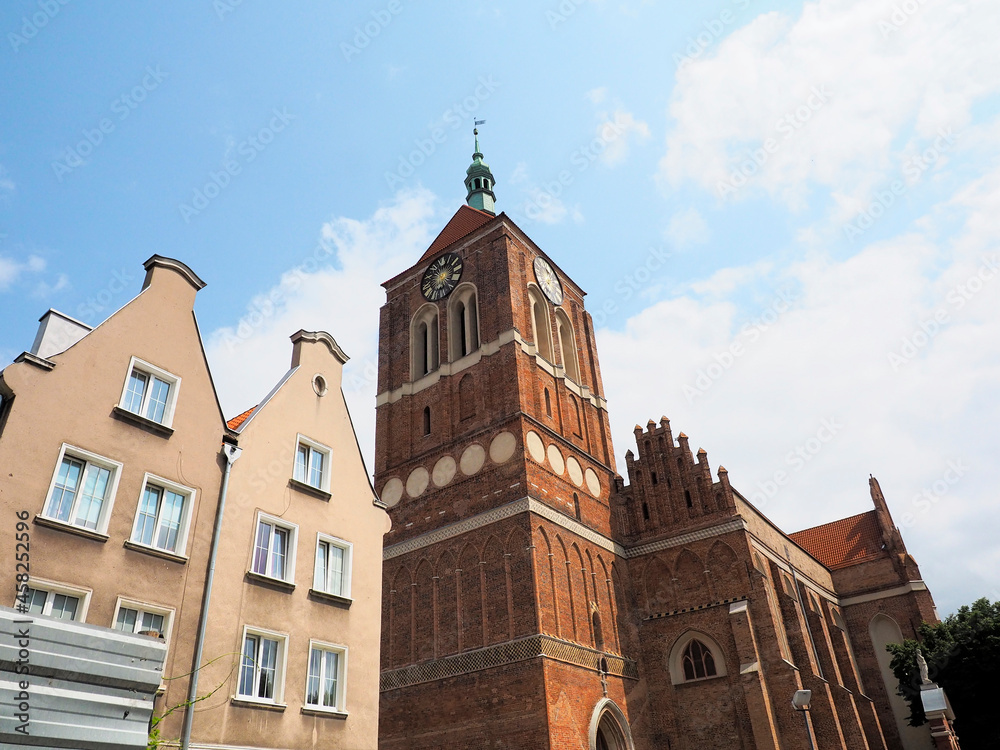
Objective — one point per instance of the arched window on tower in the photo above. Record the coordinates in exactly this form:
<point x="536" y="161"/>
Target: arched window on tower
<point x="427" y="420"/>
<point x="463" y="322"/>
<point x="548" y="403"/>
<point x="695" y="656"/>
<point x="541" y="329"/>
<point x="698" y="661"/>
<point x="424" y="342"/>
<point x="567" y="343"/>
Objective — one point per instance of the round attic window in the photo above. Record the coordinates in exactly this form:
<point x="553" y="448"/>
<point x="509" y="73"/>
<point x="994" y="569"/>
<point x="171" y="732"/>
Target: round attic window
<point x="319" y="385"/>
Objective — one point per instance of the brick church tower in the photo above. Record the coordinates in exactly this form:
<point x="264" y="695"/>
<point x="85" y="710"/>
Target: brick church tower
<point x="534" y="600"/>
<point x="493" y="452"/>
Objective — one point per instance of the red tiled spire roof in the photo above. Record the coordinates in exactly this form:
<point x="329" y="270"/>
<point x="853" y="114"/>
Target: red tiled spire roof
<point x="239" y="419"/>
<point x="842" y="543"/>
<point x="465" y="221"/>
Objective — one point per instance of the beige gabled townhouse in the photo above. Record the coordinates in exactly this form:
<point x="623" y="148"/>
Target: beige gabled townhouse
<point x="302" y="559"/>
<point x="141" y="499"/>
<point x="109" y="441"/>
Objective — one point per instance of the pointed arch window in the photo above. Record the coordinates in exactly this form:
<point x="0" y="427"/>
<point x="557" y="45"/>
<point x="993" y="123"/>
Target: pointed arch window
<point x="424" y="342"/>
<point x="463" y="322"/>
<point x="567" y="344"/>
<point x="698" y="661"/>
<point x="541" y="328"/>
<point x="696" y="656"/>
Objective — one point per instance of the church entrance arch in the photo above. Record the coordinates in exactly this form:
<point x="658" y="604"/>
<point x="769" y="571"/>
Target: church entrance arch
<point x="609" y="728"/>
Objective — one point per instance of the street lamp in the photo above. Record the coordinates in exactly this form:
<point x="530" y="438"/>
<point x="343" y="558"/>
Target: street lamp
<point x="800" y="702"/>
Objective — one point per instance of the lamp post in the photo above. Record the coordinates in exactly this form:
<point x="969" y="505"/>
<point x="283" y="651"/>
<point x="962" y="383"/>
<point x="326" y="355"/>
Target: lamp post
<point x="800" y="702"/>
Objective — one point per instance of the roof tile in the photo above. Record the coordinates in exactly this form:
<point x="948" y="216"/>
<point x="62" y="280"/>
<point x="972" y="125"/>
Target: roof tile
<point x="239" y="419"/>
<point x="843" y="543"/>
<point x="465" y="221"/>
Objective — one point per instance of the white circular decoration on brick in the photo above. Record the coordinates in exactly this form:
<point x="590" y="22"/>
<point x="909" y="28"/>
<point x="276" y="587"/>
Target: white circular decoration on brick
<point x="472" y="460"/>
<point x="575" y="471"/>
<point x="556" y="460"/>
<point x="536" y="448"/>
<point x="392" y="491"/>
<point x="502" y="447"/>
<point x="444" y="471"/>
<point x="593" y="483"/>
<point x="416" y="483"/>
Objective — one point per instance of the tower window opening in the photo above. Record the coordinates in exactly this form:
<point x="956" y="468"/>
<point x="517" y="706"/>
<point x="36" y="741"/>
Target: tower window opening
<point x="645" y="511"/>
<point x="462" y="343"/>
<point x="427" y="420"/>
<point x="548" y="403"/>
<point x="567" y="342"/>
<point x="653" y="475"/>
<point x="576" y="505"/>
<point x="540" y="324"/>
<point x="698" y="661"/>
<point x="463" y="323"/>
<point x="425" y="342"/>
<point x="687" y="499"/>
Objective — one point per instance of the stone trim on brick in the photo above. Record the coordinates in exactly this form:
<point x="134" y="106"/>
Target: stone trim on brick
<point x="532" y="647"/>
<point x="531" y="505"/>
<point x="486" y="349"/>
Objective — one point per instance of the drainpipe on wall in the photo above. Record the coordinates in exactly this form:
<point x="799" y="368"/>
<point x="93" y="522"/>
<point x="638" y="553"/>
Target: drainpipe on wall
<point x="232" y="453"/>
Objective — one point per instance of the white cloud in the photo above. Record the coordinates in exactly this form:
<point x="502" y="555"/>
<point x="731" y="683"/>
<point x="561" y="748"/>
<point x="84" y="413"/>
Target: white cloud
<point x="687" y="227"/>
<point x="44" y="289"/>
<point x="842" y="99"/>
<point x="11" y="269"/>
<point x="754" y="381"/>
<point x="616" y="131"/>
<point x="598" y="95"/>
<point x="341" y="294"/>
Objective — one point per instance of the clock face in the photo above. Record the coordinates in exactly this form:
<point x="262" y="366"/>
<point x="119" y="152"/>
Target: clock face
<point x="441" y="277"/>
<point x="548" y="281"/>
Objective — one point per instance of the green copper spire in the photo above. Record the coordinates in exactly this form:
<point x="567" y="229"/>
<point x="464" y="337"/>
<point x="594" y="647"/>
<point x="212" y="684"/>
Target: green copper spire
<point x="479" y="182"/>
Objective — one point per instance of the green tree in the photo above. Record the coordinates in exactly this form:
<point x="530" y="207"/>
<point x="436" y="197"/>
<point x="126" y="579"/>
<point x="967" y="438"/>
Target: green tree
<point x="963" y="657"/>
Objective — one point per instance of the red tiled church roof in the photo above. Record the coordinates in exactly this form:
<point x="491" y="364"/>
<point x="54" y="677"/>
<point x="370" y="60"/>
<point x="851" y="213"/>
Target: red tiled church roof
<point x="465" y="221"/>
<point x="842" y="543"/>
<point x="239" y="419"/>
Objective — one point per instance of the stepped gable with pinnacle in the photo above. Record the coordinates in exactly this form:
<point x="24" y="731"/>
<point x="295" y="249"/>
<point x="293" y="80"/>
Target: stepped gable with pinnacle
<point x="533" y="599"/>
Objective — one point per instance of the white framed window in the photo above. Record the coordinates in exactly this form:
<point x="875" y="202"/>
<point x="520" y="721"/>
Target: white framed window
<point x="82" y="490"/>
<point x="54" y="600"/>
<point x="312" y="463"/>
<point x="132" y="616"/>
<point x="150" y="392"/>
<point x="163" y="516"/>
<point x="262" y="665"/>
<point x="326" y="677"/>
<point x="274" y="548"/>
<point x="332" y="574"/>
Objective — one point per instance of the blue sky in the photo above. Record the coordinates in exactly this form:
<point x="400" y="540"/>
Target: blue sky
<point x="785" y="214"/>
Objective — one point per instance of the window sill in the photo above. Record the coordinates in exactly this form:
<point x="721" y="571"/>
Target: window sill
<point x="69" y="528"/>
<point x="340" y="601"/>
<point x="309" y="489"/>
<point x="698" y="680"/>
<point x="328" y="712"/>
<point x="139" y="421"/>
<point x="276" y="583"/>
<point x="153" y="551"/>
<point x="246" y="702"/>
